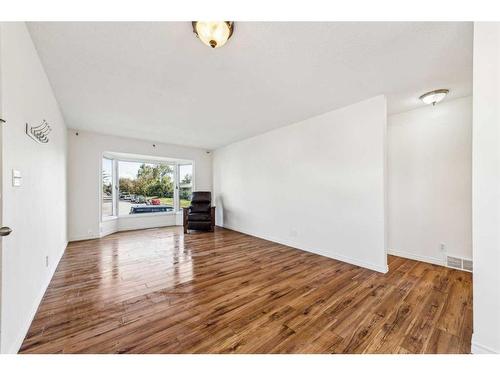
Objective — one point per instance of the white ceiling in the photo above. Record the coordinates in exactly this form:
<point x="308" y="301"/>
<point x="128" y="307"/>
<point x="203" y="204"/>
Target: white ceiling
<point x="156" y="81"/>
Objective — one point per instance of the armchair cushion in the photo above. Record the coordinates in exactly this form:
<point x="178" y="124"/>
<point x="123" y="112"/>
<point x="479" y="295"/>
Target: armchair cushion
<point x="199" y="216"/>
<point x="200" y="207"/>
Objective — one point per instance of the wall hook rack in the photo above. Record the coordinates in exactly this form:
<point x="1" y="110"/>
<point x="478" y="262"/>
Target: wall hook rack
<point x="39" y="133"/>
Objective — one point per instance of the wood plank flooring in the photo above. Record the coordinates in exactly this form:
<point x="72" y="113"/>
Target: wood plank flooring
<point x="160" y="291"/>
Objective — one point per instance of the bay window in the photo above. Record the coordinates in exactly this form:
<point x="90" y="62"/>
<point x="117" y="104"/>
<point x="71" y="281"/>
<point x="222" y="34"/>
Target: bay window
<point x="145" y="187"/>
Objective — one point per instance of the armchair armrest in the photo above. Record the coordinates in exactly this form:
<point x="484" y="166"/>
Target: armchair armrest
<point x="212" y="217"/>
<point x="185" y="211"/>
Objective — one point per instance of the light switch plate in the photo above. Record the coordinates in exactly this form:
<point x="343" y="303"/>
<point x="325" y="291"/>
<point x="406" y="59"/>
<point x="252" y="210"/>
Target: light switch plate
<point x="16" y="178"/>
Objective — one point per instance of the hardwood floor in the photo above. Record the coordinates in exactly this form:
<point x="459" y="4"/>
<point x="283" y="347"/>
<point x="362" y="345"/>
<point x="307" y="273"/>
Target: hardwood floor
<point x="158" y="291"/>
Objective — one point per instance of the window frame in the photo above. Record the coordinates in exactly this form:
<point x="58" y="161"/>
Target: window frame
<point x="114" y="205"/>
<point x="175" y="163"/>
<point x="178" y="181"/>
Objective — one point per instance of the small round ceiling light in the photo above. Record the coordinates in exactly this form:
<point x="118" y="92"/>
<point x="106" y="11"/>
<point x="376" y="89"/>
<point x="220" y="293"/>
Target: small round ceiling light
<point x="435" y="96"/>
<point x="213" y="33"/>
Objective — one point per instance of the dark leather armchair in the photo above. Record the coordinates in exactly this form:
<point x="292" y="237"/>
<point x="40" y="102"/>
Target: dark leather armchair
<point x="200" y="215"/>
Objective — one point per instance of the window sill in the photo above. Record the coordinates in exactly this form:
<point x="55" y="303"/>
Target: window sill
<point x="149" y="214"/>
<point x="109" y="218"/>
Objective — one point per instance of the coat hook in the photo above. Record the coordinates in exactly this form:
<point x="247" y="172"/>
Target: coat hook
<point x="39" y="133"/>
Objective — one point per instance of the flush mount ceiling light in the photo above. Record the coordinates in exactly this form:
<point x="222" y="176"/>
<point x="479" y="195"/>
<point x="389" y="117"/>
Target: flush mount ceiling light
<point x="213" y="33"/>
<point x="433" y="97"/>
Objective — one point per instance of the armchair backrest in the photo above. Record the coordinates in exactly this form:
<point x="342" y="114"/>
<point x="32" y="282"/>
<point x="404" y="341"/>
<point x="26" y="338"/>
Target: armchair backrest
<point x="201" y="201"/>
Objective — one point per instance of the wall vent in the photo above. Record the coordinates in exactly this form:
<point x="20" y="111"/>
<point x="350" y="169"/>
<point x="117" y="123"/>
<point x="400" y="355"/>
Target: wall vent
<point x="459" y="263"/>
<point x="454" y="262"/>
<point x="467" y="265"/>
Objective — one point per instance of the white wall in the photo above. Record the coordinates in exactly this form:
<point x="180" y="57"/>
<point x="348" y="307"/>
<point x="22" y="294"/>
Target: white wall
<point x="486" y="188"/>
<point x="317" y="185"/>
<point x="85" y="153"/>
<point x="36" y="211"/>
<point x="430" y="181"/>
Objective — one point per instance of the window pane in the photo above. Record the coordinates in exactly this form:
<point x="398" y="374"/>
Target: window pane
<point x="107" y="187"/>
<point x="145" y="187"/>
<point x="185" y="184"/>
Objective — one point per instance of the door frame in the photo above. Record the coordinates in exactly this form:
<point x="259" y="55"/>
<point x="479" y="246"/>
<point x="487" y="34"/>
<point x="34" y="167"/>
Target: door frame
<point x="2" y="124"/>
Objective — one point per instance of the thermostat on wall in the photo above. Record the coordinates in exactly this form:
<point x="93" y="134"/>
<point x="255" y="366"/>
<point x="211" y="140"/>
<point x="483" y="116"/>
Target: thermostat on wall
<point x="16" y="178"/>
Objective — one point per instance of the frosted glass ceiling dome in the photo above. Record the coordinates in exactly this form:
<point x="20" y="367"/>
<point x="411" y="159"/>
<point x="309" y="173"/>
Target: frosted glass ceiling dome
<point x="433" y="97"/>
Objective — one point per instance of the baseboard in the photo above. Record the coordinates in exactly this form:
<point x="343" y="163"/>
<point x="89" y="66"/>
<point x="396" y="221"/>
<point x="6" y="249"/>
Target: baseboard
<point x="107" y="233"/>
<point x="421" y="258"/>
<point x="14" y="349"/>
<point x="477" y="348"/>
<point x="342" y="258"/>
<point x="83" y="238"/>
